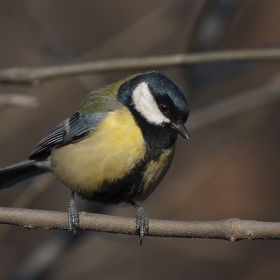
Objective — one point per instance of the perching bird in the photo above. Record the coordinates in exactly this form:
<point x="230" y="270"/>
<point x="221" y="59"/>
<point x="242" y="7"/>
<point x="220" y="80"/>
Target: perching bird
<point x="116" y="149"/>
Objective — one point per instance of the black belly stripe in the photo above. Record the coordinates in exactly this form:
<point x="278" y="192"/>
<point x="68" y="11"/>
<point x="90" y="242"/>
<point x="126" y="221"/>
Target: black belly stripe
<point x="121" y="190"/>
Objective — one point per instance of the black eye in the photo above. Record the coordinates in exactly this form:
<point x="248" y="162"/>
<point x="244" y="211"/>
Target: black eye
<point x="163" y="108"/>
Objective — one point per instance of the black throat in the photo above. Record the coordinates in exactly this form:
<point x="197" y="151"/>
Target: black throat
<point x="157" y="138"/>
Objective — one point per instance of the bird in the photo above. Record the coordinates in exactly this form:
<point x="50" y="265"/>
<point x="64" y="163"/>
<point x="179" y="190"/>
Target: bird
<point x="116" y="148"/>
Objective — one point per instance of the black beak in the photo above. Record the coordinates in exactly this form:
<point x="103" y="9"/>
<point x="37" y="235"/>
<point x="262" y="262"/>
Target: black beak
<point x="181" y="129"/>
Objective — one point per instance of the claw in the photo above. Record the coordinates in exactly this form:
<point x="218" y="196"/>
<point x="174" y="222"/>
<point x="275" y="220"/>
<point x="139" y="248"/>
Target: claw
<point x="142" y="221"/>
<point x="73" y="215"/>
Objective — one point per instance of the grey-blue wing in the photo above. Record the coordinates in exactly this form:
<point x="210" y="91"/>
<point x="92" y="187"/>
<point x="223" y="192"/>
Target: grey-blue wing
<point x="72" y="129"/>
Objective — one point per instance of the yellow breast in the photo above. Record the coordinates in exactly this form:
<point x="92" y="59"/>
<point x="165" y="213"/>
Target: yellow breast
<point x="108" y="153"/>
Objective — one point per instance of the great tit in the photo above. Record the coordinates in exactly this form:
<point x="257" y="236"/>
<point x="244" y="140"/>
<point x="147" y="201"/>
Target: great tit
<point x="116" y="149"/>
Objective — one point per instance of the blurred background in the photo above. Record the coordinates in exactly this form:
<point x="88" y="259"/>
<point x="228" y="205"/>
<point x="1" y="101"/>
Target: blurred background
<point x="229" y="168"/>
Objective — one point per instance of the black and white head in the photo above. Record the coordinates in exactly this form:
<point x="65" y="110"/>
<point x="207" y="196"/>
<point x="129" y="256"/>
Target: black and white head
<point x="157" y="100"/>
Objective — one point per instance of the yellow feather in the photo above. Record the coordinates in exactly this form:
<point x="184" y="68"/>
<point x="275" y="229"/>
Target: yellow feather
<point x="108" y="153"/>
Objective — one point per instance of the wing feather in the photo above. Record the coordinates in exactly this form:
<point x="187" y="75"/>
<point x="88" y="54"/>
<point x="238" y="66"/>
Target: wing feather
<point x="72" y="129"/>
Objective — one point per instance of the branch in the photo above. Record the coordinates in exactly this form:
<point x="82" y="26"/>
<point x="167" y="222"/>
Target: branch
<point x="231" y="229"/>
<point x="20" y="100"/>
<point x="36" y="75"/>
<point x="233" y="105"/>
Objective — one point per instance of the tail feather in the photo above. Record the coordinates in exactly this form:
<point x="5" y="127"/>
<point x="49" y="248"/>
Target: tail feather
<point x="18" y="172"/>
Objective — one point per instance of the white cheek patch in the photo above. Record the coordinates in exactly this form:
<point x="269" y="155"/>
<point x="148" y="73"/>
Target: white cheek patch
<point x="146" y="105"/>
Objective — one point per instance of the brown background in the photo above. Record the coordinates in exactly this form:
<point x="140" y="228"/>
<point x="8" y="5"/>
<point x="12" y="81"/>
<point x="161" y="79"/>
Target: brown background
<point x="227" y="169"/>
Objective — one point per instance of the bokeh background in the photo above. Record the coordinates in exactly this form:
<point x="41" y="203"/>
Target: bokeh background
<point x="229" y="168"/>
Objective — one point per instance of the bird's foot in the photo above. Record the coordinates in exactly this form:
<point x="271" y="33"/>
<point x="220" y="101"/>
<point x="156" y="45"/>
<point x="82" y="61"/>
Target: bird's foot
<point x="142" y="221"/>
<point x="73" y="215"/>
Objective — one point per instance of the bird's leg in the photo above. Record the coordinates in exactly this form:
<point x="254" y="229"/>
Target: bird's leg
<point x="142" y="220"/>
<point x="73" y="215"/>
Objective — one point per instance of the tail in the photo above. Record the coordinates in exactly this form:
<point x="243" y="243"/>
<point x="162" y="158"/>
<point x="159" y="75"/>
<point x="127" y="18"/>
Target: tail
<point x="18" y="172"/>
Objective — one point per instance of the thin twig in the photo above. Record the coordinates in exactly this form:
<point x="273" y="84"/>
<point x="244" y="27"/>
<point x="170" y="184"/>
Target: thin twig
<point x="231" y="229"/>
<point x="17" y="99"/>
<point x="251" y="99"/>
<point x="37" y="75"/>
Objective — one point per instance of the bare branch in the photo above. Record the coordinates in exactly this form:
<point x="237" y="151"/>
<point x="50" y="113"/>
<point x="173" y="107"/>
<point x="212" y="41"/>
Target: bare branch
<point x="37" y="187"/>
<point x="220" y="110"/>
<point x="36" y="75"/>
<point x="16" y="99"/>
<point x="231" y="229"/>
